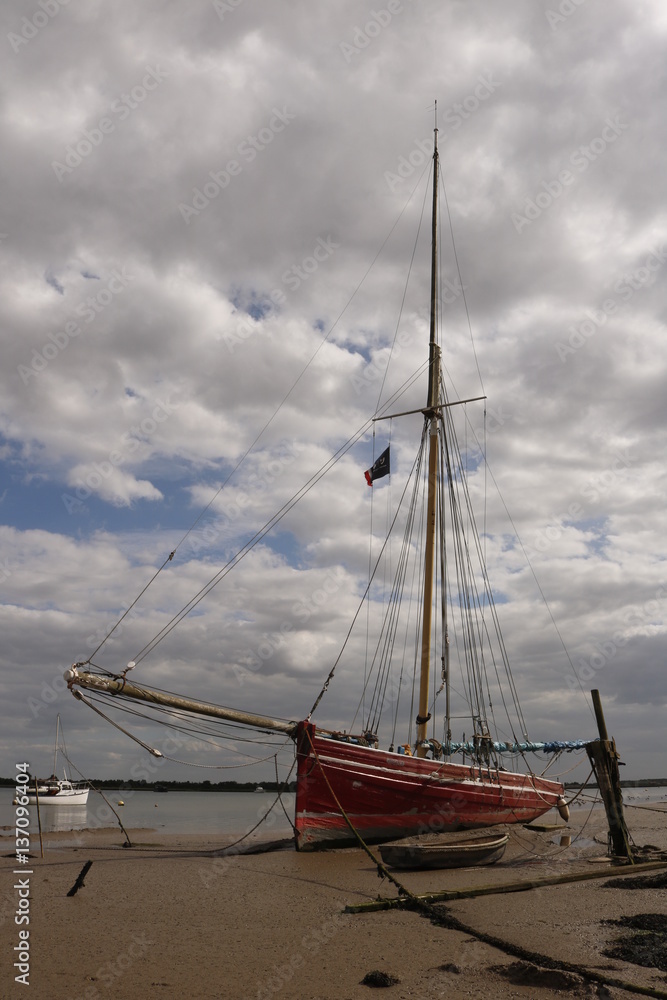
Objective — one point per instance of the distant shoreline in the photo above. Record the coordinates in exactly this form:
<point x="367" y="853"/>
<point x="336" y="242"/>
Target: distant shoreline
<point x="127" y="784"/>
<point x="626" y="783"/>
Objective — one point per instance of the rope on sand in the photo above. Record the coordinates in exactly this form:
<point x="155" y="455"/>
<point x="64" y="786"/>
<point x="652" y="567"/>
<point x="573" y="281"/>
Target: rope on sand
<point x="439" y="916"/>
<point x="442" y="918"/>
<point x="445" y="919"/>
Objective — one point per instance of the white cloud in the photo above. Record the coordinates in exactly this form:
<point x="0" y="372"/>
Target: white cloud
<point x="142" y="387"/>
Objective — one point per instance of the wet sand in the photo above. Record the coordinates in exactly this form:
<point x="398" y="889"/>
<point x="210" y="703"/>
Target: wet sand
<point x="166" y="919"/>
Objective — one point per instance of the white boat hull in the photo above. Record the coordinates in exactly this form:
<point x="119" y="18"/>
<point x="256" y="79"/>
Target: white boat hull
<point x="62" y="796"/>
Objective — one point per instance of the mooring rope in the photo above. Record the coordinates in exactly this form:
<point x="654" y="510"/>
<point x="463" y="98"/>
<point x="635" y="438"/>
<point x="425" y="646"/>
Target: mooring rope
<point x="445" y="919"/>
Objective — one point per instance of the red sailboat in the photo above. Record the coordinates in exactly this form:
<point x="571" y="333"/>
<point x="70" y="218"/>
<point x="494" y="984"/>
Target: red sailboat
<point x="347" y="786"/>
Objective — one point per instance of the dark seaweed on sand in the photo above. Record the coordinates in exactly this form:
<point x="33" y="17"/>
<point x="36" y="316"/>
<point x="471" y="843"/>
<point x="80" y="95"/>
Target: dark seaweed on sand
<point x="658" y="881"/>
<point x="377" y="978"/>
<point x="646" y="945"/>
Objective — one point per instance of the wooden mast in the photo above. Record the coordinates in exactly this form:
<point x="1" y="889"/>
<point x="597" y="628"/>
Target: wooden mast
<point x="432" y="417"/>
<point x="55" y="749"/>
<point x="119" y="685"/>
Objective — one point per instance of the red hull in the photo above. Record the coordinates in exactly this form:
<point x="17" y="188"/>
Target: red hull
<point x="390" y="795"/>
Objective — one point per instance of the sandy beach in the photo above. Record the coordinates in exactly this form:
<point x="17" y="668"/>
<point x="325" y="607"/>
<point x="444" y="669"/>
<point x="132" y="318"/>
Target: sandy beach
<point x="167" y="919"/>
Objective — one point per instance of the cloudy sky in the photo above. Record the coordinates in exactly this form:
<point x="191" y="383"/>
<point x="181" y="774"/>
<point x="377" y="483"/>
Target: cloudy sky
<point x="191" y="196"/>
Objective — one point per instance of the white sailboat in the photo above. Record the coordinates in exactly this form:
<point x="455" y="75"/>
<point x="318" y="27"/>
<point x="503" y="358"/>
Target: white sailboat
<point x="59" y="791"/>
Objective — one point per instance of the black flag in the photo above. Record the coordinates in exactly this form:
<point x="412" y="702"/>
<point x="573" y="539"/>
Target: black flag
<point x="378" y="469"/>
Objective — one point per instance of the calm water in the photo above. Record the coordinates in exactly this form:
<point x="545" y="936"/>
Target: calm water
<point x="227" y="813"/>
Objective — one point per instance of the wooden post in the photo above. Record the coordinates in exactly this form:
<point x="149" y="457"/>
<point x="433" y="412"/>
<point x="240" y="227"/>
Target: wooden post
<point x="39" y="820"/>
<point x="604" y="759"/>
<point x="599" y="715"/>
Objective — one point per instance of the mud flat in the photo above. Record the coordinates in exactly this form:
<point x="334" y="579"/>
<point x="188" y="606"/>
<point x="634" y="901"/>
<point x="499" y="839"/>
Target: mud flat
<point x="172" y="917"/>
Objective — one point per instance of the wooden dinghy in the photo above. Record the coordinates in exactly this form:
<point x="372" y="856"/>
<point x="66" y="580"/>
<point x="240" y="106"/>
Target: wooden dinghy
<point x="458" y="850"/>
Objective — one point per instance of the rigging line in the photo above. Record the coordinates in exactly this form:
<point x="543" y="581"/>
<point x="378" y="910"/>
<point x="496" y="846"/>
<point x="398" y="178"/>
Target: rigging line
<point x="381" y="870"/>
<point x="99" y="792"/>
<point x="219" y="767"/>
<point x="414" y="622"/>
<point x="164" y="708"/>
<point x="129" y="710"/>
<point x="633" y="805"/>
<point x="280" y="790"/>
<point x="489" y="592"/>
<point x="268" y="423"/>
<point x="174" y="715"/>
<point x="444" y="623"/>
<point x="420" y="557"/>
<point x="384" y="645"/>
<point x="537" y="582"/>
<point x="138" y="597"/>
<point x="381" y="390"/>
<point x="441" y="598"/>
<point x="477" y="670"/>
<point x="407" y="280"/>
<point x="415" y="567"/>
<point x="458" y="272"/>
<point x="249" y="545"/>
<point x="228" y="847"/>
<point x="388" y="566"/>
<point x="80" y="697"/>
<point x="488" y="470"/>
<point x="482" y="629"/>
<point x="389" y="639"/>
<point x="472" y="339"/>
<point x="263" y="531"/>
<point x="370" y="569"/>
<point x="418" y="618"/>
<point x="363" y="597"/>
<point x="464" y="584"/>
<point x="561" y="774"/>
<point x="386" y="640"/>
<point x="301" y="374"/>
